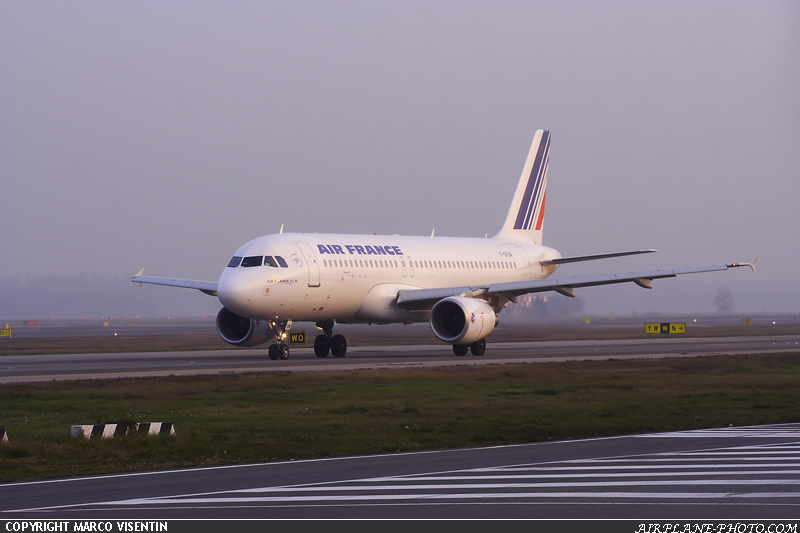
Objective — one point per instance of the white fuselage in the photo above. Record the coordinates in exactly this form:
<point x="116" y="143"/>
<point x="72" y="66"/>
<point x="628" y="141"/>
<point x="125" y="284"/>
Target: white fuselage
<point x="356" y="278"/>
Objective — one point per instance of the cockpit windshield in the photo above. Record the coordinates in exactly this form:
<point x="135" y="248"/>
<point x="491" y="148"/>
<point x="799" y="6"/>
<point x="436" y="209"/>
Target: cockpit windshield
<point x="258" y="260"/>
<point x="275" y="261"/>
<point x="253" y="261"/>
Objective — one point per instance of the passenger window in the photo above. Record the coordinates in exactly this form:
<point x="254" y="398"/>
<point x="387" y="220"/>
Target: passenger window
<point x="270" y="261"/>
<point x="281" y="262"/>
<point x="253" y="261"/>
<point x="235" y="261"/>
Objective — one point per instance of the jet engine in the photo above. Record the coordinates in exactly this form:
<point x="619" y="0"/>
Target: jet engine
<point x="459" y="320"/>
<point x="242" y="331"/>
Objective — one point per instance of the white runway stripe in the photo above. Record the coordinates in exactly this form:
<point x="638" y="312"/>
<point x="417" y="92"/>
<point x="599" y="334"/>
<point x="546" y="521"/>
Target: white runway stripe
<point x="576" y="475"/>
<point x="787" y="430"/>
<point x="462" y="496"/>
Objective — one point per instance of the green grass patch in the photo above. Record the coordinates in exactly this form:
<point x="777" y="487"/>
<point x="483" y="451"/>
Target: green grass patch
<point x="239" y="418"/>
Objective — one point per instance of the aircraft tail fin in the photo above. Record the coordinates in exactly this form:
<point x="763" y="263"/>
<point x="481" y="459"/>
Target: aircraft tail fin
<point x="525" y="218"/>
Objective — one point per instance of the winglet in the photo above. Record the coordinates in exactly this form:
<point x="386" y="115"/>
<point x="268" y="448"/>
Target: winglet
<point x="751" y="264"/>
<point x="139" y="273"/>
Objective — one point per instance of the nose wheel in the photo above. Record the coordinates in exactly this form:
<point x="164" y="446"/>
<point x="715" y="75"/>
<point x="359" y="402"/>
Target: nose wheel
<point x="281" y="349"/>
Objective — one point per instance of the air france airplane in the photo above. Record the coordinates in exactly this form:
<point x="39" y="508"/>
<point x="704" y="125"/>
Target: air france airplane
<point x="459" y="285"/>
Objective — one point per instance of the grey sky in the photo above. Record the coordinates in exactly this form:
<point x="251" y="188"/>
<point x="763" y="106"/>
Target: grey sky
<point x="166" y="134"/>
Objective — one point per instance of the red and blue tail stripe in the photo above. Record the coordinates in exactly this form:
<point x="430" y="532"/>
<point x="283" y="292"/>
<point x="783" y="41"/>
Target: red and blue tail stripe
<point x="531" y="209"/>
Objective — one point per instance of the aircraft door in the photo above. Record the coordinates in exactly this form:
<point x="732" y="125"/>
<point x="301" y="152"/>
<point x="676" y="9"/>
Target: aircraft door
<point x="311" y="261"/>
<point x="410" y="266"/>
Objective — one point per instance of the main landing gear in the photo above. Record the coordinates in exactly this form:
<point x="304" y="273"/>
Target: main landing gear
<point x="328" y="342"/>
<point x="477" y="348"/>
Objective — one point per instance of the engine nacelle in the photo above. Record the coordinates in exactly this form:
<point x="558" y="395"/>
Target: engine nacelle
<point x="459" y="320"/>
<point x="242" y="331"/>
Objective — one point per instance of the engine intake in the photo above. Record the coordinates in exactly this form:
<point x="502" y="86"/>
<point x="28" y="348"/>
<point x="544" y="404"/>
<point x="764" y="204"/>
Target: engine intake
<point x="459" y="320"/>
<point x="242" y="331"/>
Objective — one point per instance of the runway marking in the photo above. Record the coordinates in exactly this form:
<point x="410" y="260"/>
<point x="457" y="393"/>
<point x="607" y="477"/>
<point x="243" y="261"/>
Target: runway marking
<point x="779" y="430"/>
<point x="349" y="498"/>
<point x="751" y="474"/>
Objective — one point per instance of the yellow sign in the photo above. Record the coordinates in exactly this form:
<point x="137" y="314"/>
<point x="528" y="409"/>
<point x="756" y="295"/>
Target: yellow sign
<point x="677" y="328"/>
<point x="652" y="328"/>
<point x="297" y="338"/>
<point x="5" y="332"/>
<point x="664" y="328"/>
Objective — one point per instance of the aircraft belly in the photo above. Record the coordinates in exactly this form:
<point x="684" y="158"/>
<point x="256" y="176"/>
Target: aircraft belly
<point x="379" y="306"/>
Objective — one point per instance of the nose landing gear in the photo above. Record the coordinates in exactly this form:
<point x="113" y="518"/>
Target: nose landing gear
<point x="281" y="349"/>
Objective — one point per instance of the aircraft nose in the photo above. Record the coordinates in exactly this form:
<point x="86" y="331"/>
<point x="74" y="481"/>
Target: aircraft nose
<point x="235" y="291"/>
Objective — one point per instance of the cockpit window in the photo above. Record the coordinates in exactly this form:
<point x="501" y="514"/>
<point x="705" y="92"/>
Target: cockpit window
<point x="281" y="262"/>
<point x="270" y="261"/>
<point x="253" y="261"/>
<point x="235" y="261"/>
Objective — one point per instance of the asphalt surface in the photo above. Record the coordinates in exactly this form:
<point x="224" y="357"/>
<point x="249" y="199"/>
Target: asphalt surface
<point x="100" y="366"/>
<point x="730" y="473"/>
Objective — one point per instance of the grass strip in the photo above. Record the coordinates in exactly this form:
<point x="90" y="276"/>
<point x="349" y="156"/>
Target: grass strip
<point x="258" y="417"/>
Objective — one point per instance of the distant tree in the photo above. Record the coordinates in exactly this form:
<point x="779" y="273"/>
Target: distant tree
<point x="553" y="306"/>
<point x="724" y="301"/>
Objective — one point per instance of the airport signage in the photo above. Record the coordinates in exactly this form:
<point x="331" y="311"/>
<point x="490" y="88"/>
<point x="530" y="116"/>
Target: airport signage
<point x="5" y="332"/>
<point x="664" y="328"/>
<point x="297" y="338"/>
<point x="30" y="322"/>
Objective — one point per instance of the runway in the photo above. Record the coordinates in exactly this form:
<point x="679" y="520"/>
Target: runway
<point x="14" y="368"/>
<point x="729" y="473"/>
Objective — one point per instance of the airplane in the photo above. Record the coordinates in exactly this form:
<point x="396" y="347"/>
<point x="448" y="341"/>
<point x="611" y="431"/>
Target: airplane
<point x="457" y="284"/>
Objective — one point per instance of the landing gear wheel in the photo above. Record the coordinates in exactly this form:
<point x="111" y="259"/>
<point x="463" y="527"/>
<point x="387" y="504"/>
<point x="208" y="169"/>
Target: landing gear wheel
<point x="478" y="347"/>
<point x="283" y="352"/>
<point x="460" y="349"/>
<point x="338" y="345"/>
<point x="273" y="352"/>
<point x="321" y="346"/>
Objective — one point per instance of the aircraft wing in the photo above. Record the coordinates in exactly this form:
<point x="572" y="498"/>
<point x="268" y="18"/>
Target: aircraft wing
<point x="419" y="299"/>
<point x="208" y="287"/>
<point x="579" y="258"/>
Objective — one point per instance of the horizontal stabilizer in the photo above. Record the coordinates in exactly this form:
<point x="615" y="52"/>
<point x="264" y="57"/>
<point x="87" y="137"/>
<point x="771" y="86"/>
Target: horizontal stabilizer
<point x="579" y="258"/>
